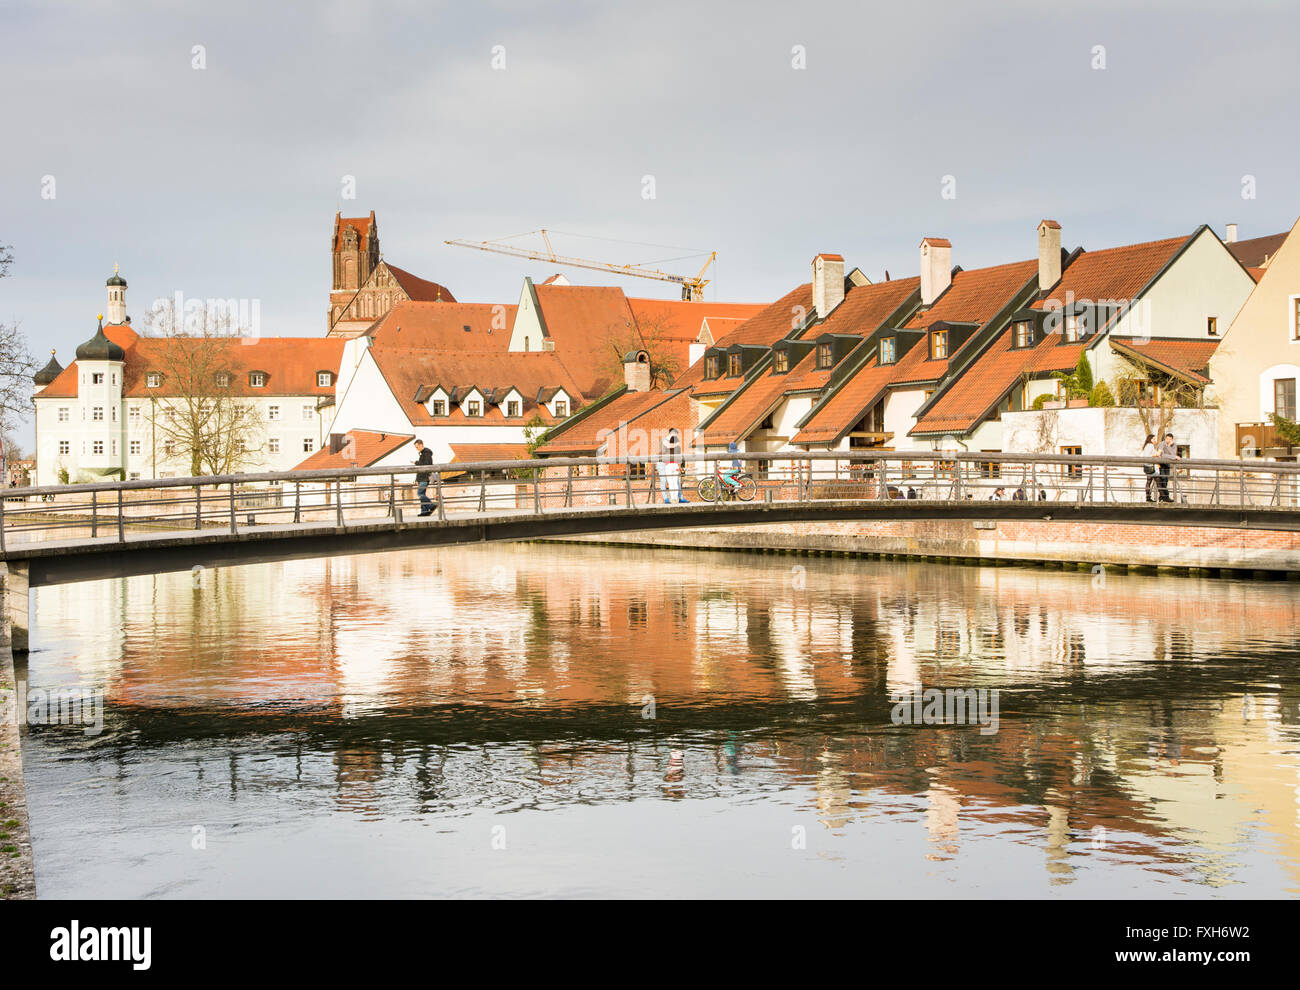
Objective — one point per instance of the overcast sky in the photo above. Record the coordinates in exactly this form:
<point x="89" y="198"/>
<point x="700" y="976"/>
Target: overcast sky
<point x="223" y="181"/>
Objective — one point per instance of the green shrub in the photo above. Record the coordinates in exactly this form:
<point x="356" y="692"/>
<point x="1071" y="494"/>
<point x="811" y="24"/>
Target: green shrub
<point x="1045" y="397"/>
<point x="1101" y="395"/>
<point x="63" y="476"/>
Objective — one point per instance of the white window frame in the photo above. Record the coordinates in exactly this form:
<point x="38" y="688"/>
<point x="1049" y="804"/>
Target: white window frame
<point x="273" y="445"/>
<point x="64" y="414"/>
<point x="323" y="379"/>
<point x="153" y="380"/>
<point x="65" y="447"/>
<point x="308" y="413"/>
<point x="308" y="445"/>
<point x="273" y="413"/>
<point x="1293" y="317"/>
<point x="257" y="379"/>
<point x="135" y="448"/>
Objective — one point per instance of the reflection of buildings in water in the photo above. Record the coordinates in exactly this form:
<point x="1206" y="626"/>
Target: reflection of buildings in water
<point x="942" y="818"/>
<point x="834" y="791"/>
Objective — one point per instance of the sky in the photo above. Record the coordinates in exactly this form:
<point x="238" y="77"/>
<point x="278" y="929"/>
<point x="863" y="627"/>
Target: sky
<point x="206" y="148"/>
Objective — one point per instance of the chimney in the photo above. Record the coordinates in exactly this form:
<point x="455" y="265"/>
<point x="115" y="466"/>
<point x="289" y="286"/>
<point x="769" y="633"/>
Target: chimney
<point x="1049" y="254"/>
<point x="1232" y="234"/>
<point x="936" y="268"/>
<point x="636" y="371"/>
<point x="828" y="283"/>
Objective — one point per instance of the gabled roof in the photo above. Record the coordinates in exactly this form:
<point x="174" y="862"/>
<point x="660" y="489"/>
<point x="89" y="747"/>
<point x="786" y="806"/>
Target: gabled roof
<point x="470" y="452"/>
<point x="442" y="326"/>
<point x="361" y="225"/>
<point x="406" y="370"/>
<point x="590" y="325"/>
<point x="1182" y="358"/>
<point x="675" y="323"/>
<point x="867" y="307"/>
<point x="1119" y="273"/>
<point x="1257" y="251"/>
<point x="841" y="411"/>
<point x="584" y="435"/>
<point x="419" y="289"/>
<point x="772" y="323"/>
<point x="361" y="448"/>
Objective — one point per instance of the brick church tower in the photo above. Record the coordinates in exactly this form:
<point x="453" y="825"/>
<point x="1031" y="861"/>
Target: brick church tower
<point x="355" y="250"/>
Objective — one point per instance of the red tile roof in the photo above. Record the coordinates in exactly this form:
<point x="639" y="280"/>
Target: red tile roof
<point x="1189" y="358"/>
<point x="1256" y="251"/>
<point x="290" y="363"/>
<point x="718" y="328"/>
<point x="361" y="448"/>
<point x="442" y="326"/>
<point x="470" y="452"/>
<point x="975" y="296"/>
<point x="675" y="323"/>
<point x="770" y="324"/>
<point x="592" y="326"/>
<point x="866" y="307"/>
<point x="408" y="370"/>
<point x="1113" y="273"/>
<point x="360" y="224"/>
<point x="937" y="241"/>
<point x="420" y="289"/>
<point x="747" y="409"/>
<point x="588" y="434"/>
<point x="847" y="406"/>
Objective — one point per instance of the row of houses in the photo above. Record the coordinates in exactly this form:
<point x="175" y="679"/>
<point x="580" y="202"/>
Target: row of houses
<point x="1192" y="329"/>
<point x="982" y="359"/>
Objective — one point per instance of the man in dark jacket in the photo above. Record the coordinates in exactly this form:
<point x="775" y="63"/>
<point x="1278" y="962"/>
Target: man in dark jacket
<point x="424" y="456"/>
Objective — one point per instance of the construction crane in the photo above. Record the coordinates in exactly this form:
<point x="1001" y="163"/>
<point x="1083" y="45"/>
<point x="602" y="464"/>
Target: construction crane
<point x="692" y="285"/>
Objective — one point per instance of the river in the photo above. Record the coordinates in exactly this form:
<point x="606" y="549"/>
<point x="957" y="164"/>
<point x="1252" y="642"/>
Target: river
<point x="546" y="719"/>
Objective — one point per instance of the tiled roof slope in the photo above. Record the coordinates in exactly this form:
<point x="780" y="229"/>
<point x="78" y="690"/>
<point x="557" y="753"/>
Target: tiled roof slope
<point x="584" y="435"/>
<point x="442" y="326"/>
<point x="361" y="448"/>
<point x="591" y="326"/>
<point x="420" y="289"/>
<point x="1113" y="273"/>
<point x="1190" y="358"/>
<point x="747" y="409"/>
<point x="975" y="296"/>
<point x="838" y="415"/>
<point x="1253" y="253"/>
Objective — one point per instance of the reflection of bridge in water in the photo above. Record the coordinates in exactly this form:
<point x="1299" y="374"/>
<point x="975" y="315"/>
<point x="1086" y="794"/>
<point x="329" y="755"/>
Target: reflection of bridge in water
<point x="117" y="529"/>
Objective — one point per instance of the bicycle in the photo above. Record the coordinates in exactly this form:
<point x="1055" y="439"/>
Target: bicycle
<point x="712" y="488"/>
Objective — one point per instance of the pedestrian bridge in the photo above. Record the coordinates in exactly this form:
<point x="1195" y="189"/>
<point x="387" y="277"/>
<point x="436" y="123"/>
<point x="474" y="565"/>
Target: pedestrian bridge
<point x="69" y="533"/>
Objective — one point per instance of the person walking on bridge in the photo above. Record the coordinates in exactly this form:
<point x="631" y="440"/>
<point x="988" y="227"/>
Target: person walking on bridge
<point x="1168" y="451"/>
<point x="424" y="456"/>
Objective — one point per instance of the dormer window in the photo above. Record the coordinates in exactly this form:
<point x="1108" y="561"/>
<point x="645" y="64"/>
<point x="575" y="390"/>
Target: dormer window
<point x="474" y="408"/>
<point x="733" y="365"/>
<point x="512" y="408"/>
<point x="561" y="408"/>
<point x="1072" y="328"/>
<point x="711" y="366"/>
<point x="257" y="379"/>
<point x="938" y="345"/>
<point x="888" y="350"/>
<point x="153" y="379"/>
<point x="781" y="362"/>
<point x="1024" y="331"/>
<point x="825" y="355"/>
<point x="324" y="379"/>
<point x="438" y="407"/>
<point x="223" y="379"/>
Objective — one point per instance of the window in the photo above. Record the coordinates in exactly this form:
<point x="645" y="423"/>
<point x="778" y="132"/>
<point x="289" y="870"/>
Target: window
<point x="65" y="446"/>
<point x="223" y="379"/>
<point x="512" y="408"/>
<point x="272" y="412"/>
<point x="63" y="414"/>
<point x="768" y="423"/>
<point x="257" y="379"/>
<point x="97" y="447"/>
<point x="925" y="396"/>
<point x="153" y="379"/>
<point x="133" y="415"/>
<point x="825" y="355"/>
<point x="1072" y="470"/>
<point x="97" y="378"/>
<point x="781" y="362"/>
<point x="1072" y="328"/>
<point x="97" y="414"/>
<point x="1024" y="333"/>
<point x="1295" y="317"/>
<point x="323" y="379"/>
<point x="273" y="445"/>
<point x="169" y="448"/>
<point x="637" y="472"/>
<point x="1212" y="326"/>
<point x="561" y="409"/>
<point x="990" y="469"/>
<point x="308" y="445"/>
<point x="135" y="448"/>
<point x="938" y="345"/>
<point x="733" y="365"/>
<point x="113" y="410"/>
<point x="439" y="407"/>
<point x="711" y="366"/>
<point x="308" y="413"/>
<point x="1284" y="397"/>
<point x="135" y="476"/>
<point x="475" y="408"/>
<point x="114" y="451"/>
<point x="889" y="350"/>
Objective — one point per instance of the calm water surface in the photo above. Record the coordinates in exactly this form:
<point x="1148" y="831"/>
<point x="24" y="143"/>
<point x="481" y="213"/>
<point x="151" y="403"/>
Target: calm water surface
<point x="556" y="720"/>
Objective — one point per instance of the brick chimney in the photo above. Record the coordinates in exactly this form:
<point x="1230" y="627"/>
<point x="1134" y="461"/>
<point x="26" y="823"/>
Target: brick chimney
<point x="1232" y="234"/>
<point x="636" y="371"/>
<point x="827" y="283"/>
<point x="936" y="268"/>
<point x="1049" y="254"/>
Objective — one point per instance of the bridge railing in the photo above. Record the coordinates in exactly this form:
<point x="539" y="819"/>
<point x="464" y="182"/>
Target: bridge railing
<point x="118" y="510"/>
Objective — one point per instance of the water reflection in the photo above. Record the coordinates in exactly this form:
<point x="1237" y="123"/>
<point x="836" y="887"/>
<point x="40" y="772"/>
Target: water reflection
<point x="665" y="722"/>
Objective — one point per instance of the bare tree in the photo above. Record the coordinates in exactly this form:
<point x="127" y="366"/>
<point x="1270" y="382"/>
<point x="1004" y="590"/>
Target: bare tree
<point x="202" y="414"/>
<point x="1156" y="396"/>
<point x="16" y="364"/>
<point x="665" y="365"/>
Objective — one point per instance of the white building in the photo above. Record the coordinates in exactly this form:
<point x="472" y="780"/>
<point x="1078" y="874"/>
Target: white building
<point x="99" y="417"/>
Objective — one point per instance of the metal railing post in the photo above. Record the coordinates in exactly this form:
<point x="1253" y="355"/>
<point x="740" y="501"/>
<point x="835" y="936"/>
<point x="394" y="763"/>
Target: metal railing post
<point x="94" y="514"/>
<point x="121" y="519"/>
<point x="392" y="495"/>
<point x="627" y="478"/>
<point x="338" y="501"/>
<point x="537" y="495"/>
<point x="233" y="528"/>
<point x="198" y="506"/>
<point x="297" y="502"/>
<point x="482" y="491"/>
<point x="568" y="489"/>
<point x="2" y="525"/>
<point x="442" y="509"/>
